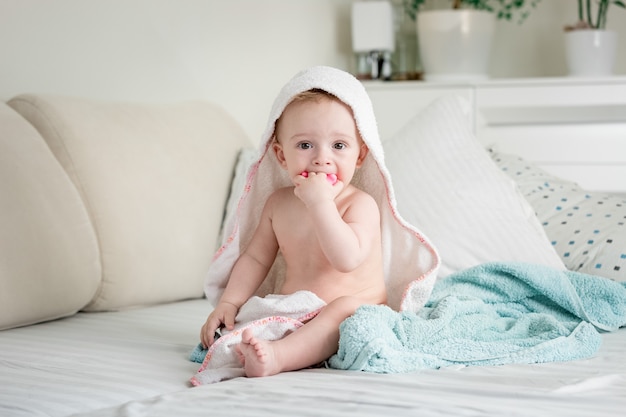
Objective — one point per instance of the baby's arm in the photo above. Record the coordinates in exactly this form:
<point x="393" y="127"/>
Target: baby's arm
<point x="347" y="241"/>
<point x="247" y="275"/>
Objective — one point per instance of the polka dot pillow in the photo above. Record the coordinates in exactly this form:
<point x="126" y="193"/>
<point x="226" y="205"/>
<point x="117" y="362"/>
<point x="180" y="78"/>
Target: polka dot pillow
<point x="588" y="230"/>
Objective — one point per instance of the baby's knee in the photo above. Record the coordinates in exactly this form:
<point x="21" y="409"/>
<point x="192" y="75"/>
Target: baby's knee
<point x="346" y="305"/>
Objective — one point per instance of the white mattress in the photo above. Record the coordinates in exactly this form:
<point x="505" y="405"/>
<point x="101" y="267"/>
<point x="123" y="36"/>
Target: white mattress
<point x="95" y="360"/>
<point x="134" y="363"/>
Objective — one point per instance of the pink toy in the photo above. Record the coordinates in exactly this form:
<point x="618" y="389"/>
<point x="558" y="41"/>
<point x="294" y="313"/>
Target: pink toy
<point x="331" y="178"/>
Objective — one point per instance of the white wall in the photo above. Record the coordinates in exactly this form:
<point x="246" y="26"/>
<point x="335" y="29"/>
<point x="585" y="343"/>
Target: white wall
<point x="235" y="52"/>
<point x="536" y="47"/>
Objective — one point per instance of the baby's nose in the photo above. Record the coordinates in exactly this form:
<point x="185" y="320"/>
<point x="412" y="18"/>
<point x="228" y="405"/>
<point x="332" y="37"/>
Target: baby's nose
<point x="322" y="157"/>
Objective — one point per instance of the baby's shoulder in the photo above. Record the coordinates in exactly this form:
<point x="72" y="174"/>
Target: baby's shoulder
<point x="280" y="196"/>
<point x="360" y="195"/>
<point x="359" y="198"/>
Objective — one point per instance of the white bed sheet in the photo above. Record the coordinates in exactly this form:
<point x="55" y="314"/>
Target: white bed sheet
<point x="94" y="360"/>
<point x="593" y="387"/>
<point x="56" y="369"/>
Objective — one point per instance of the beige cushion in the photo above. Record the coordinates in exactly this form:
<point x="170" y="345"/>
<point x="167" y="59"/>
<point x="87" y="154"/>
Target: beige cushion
<point x="49" y="264"/>
<point x="154" y="179"/>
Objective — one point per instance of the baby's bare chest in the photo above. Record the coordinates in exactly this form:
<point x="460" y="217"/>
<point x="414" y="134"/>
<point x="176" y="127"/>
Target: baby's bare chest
<point x="294" y="227"/>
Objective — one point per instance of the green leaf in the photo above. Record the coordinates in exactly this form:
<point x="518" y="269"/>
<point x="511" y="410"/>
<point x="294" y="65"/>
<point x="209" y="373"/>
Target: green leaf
<point x="620" y="4"/>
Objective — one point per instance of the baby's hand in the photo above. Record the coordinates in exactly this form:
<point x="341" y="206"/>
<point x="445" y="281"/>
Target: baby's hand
<point x="311" y="187"/>
<point x="223" y="315"/>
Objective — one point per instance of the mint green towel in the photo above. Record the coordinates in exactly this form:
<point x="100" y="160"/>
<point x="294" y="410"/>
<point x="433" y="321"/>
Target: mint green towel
<point x="492" y="314"/>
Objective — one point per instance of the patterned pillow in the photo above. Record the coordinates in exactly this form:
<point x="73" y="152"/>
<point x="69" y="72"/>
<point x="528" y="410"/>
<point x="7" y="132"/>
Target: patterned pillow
<point x="588" y="230"/>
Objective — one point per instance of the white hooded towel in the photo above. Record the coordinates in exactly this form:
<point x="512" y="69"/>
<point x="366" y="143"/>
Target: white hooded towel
<point x="410" y="261"/>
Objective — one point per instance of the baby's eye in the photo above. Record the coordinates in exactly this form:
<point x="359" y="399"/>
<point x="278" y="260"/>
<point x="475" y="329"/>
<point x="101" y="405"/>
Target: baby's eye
<point x="339" y="145"/>
<point x="304" y="145"/>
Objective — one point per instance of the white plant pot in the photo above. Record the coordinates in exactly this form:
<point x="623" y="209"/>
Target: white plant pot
<point x="590" y="52"/>
<point x="455" y="45"/>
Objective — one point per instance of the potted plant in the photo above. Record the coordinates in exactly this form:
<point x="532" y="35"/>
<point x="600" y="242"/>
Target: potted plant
<point x="589" y="47"/>
<point x="455" y="42"/>
<point x="504" y="9"/>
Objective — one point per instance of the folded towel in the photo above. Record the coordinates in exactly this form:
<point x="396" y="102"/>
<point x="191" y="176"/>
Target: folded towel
<point x="492" y="314"/>
<point x="270" y="318"/>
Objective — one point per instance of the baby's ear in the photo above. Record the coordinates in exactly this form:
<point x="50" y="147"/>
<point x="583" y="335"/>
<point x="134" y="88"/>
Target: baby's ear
<point x="280" y="154"/>
<point x="363" y="151"/>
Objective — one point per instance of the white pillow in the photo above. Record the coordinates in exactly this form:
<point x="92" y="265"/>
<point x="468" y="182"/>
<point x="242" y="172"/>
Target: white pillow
<point x="448" y="187"/>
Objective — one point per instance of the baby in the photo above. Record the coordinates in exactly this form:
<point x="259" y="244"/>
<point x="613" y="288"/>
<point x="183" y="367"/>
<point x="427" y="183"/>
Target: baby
<point x="316" y="234"/>
<point x="327" y="230"/>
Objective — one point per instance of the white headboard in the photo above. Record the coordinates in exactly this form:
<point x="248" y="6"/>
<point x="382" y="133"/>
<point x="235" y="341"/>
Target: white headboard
<point x="572" y="127"/>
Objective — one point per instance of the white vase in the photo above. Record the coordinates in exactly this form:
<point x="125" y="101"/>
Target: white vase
<point x="590" y="52"/>
<point x="455" y="45"/>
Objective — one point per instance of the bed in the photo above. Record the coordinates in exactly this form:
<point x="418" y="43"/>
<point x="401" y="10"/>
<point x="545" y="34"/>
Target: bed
<point x="145" y="372"/>
<point x="136" y="361"/>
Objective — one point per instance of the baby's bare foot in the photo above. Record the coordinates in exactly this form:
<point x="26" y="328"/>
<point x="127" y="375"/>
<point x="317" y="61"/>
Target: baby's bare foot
<point x="257" y="356"/>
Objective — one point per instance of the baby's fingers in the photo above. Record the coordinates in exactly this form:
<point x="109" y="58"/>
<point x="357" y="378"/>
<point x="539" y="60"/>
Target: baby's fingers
<point x="229" y="321"/>
<point x="207" y="334"/>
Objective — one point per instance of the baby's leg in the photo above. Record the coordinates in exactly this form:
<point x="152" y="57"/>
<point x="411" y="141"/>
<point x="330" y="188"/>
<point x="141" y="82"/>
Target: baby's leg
<point x="313" y="343"/>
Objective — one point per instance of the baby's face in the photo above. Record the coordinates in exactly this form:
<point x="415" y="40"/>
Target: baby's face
<point x="321" y="137"/>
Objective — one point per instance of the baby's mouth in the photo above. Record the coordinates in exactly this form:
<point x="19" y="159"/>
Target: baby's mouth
<point x="331" y="178"/>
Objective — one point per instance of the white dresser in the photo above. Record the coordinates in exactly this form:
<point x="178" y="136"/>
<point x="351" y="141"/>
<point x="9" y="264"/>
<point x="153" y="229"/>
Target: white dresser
<point x="574" y="128"/>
